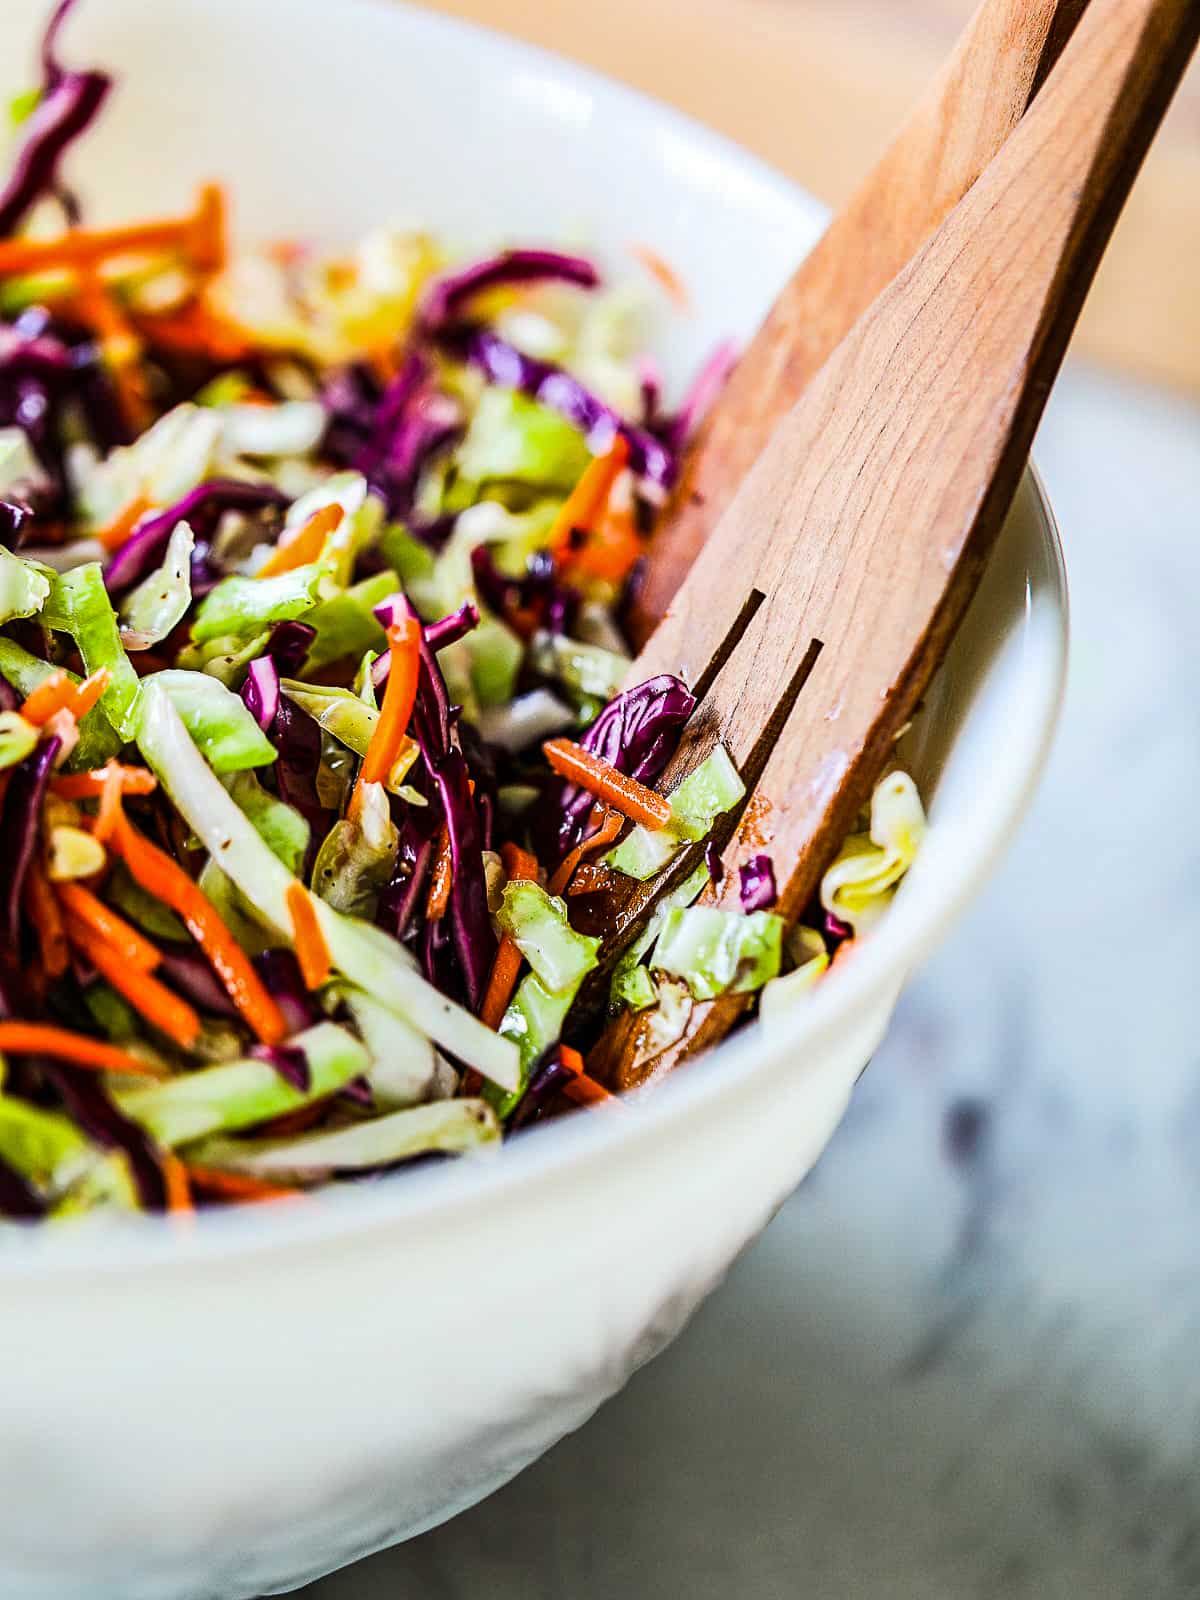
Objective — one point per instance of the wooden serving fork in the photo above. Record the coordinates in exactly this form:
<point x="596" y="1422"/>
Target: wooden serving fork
<point x="815" y="615"/>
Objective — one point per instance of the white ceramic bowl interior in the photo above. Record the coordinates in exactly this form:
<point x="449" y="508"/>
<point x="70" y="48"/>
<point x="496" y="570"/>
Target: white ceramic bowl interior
<point x="232" y="1410"/>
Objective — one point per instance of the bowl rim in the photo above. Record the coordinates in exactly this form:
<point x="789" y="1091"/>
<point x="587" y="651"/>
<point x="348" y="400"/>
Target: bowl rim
<point x="143" y="1242"/>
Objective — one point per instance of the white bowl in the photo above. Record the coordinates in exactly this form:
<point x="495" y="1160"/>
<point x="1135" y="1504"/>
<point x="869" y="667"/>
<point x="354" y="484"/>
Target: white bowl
<point x="237" y="1408"/>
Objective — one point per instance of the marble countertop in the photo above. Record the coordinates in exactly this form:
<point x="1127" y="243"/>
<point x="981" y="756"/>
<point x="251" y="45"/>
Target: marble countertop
<point x="962" y="1362"/>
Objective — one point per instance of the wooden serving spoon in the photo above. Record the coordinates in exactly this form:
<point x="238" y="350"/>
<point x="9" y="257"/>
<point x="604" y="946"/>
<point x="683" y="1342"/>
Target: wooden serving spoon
<point x="819" y="608"/>
<point x="999" y="64"/>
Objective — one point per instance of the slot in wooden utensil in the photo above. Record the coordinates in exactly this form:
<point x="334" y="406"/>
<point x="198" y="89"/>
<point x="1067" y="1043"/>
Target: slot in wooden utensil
<point x="998" y="66"/>
<point x="866" y="522"/>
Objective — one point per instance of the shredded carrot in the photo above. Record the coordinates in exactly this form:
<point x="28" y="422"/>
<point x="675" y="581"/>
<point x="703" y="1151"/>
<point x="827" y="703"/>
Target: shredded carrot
<point x="57" y="693"/>
<point x="609" y="825"/>
<point x="664" y="274"/>
<point x="197" y="329"/>
<point x="237" y="1185"/>
<point x="207" y="244"/>
<point x="44" y="1039"/>
<point x="588" y="498"/>
<point x="506" y="964"/>
<point x="199" y="237"/>
<point x="387" y="736"/>
<point x="311" y="950"/>
<point x="441" y="879"/>
<point x="152" y="1000"/>
<point x="134" y="949"/>
<point x="503" y="980"/>
<point x="50" y="696"/>
<point x="611" y="552"/>
<point x="91" y="785"/>
<point x="43" y="911"/>
<point x="306" y="546"/>
<point x="119" y="344"/>
<point x="518" y="863"/>
<point x="167" y="881"/>
<point x="123" y="524"/>
<point x="109" y="813"/>
<point x="585" y="1091"/>
<point x="602" y="779"/>
<point x="176" y="1183"/>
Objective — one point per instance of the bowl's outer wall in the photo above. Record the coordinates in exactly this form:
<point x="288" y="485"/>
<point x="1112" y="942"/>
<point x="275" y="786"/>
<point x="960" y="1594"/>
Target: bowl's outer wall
<point x="231" y="1422"/>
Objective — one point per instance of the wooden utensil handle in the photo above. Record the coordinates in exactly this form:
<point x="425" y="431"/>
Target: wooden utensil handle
<point x="1000" y="62"/>
<point x="867" y="520"/>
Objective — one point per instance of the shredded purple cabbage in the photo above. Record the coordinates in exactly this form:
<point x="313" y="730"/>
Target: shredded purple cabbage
<point x="90" y="1105"/>
<point x="17" y="1199"/>
<point x="638" y="733"/>
<point x="447" y="297"/>
<point x="297" y="738"/>
<point x="411" y="423"/>
<point x="551" y="386"/>
<point x="712" y="860"/>
<point x="19" y="824"/>
<point x="288" y="646"/>
<point x="192" y="974"/>
<point x="545" y="1083"/>
<point x="280" y="971"/>
<point x="756" y="884"/>
<point x="700" y="398"/>
<point x="260" y="691"/>
<point x="202" y="508"/>
<point x="289" y="1061"/>
<point x="14" y="523"/>
<point x="70" y="102"/>
<point x="553" y="604"/>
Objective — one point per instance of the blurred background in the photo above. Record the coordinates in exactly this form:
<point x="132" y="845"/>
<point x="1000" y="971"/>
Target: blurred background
<point x="961" y="1362"/>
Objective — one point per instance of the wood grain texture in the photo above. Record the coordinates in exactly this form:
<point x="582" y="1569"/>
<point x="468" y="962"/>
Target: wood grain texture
<point x="971" y="108"/>
<point x="867" y="521"/>
<point x="818" y="87"/>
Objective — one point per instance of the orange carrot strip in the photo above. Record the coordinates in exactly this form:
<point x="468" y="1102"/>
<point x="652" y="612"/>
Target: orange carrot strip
<point x="196" y="329"/>
<point x="152" y="1000"/>
<point x="58" y="693"/>
<point x="441" y="879"/>
<point x="518" y="863"/>
<point x="123" y="524"/>
<point x="119" y="344"/>
<point x="311" y="950"/>
<point x="50" y="696"/>
<point x="88" y="692"/>
<point x="133" y="948"/>
<point x="589" y="496"/>
<point x="506" y="964"/>
<point x="306" y="546"/>
<point x="109" y="812"/>
<point x="610" y="825"/>
<point x="44" y="1039"/>
<point x="198" y="236"/>
<point x="602" y="779"/>
<point x="237" y="1185"/>
<point x="164" y="878"/>
<point x="611" y="551"/>
<point x="176" y="1183"/>
<point x="43" y="911"/>
<point x="91" y="785"/>
<point x="664" y="274"/>
<point x="579" y="1087"/>
<point x="404" y="642"/>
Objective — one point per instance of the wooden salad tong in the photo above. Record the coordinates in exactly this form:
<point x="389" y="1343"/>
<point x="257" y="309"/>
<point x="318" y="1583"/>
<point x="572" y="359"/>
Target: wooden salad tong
<point x="816" y="612"/>
<point x="999" y="64"/>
